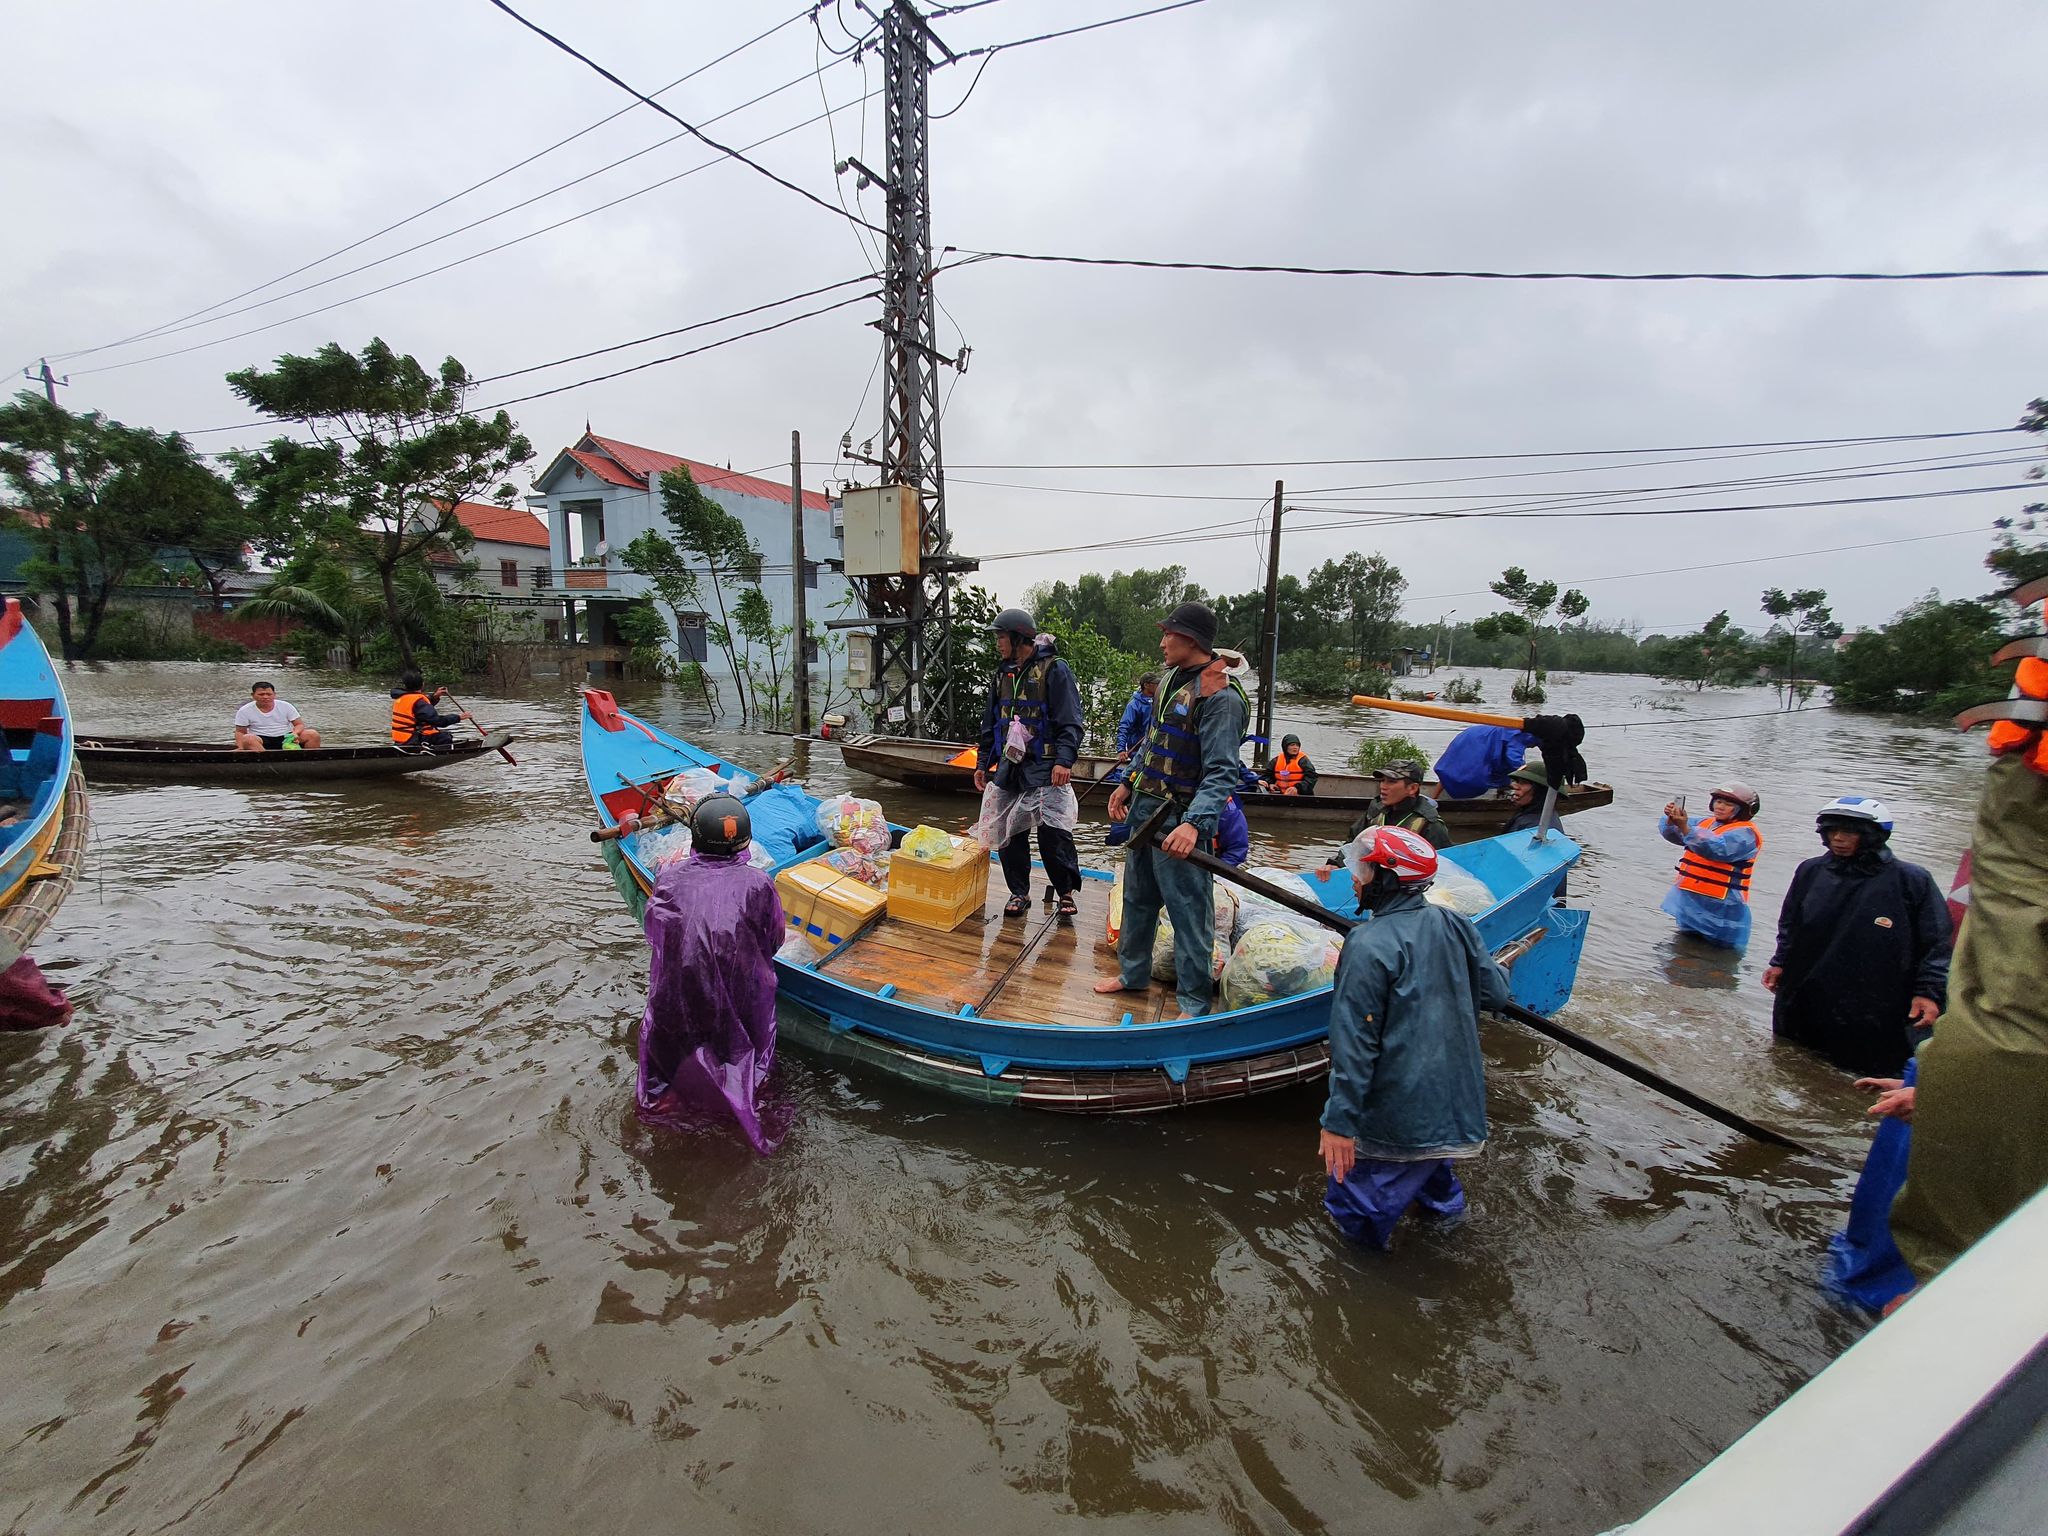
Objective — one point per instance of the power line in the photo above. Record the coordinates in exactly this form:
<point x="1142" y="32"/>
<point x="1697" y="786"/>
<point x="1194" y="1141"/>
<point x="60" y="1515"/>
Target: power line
<point x="447" y="266"/>
<point x="1093" y="26"/>
<point x="649" y="101"/>
<point x="460" y="229"/>
<point x="434" y="207"/>
<point x="1480" y="275"/>
<point x="1555" y="453"/>
<point x="1376" y="516"/>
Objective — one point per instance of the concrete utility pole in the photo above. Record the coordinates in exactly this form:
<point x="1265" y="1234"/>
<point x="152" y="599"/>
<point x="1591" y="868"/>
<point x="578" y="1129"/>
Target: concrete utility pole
<point x="800" y="628"/>
<point x="1269" y="637"/>
<point x="49" y="380"/>
<point x="912" y="612"/>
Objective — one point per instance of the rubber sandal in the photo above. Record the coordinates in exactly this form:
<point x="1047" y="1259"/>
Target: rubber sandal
<point x="1069" y="908"/>
<point x="1017" y="906"/>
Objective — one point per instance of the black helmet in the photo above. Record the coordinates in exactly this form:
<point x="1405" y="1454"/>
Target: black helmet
<point x="720" y="825"/>
<point x="1015" y="621"/>
<point x="1197" y="621"/>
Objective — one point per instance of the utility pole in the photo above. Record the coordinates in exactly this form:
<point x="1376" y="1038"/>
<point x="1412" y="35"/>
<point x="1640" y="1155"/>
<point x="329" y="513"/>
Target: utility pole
<point x="800" y="628"/>
<point x="912" y="611"/>
<point x="48" y="379"/>
<point x="1269" y="637"/>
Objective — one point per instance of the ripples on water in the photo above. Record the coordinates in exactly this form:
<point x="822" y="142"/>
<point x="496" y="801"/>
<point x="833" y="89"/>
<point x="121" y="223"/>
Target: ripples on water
<point x="329" y="1211"/>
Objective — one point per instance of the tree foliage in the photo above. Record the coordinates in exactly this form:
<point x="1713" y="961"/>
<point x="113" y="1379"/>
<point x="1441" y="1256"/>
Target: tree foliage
<point x="730" y="558"/>
<point x="1802" y="617"/>
<point x="101" y="503"/>
<point x="1124" y="608"/>
<point x="1934" y="658"/>
<point x="393" y="449"/>
<point x="1717" y="653"/>
<point x="1358" y="597"/>
<point x="1530" y="604"/>
<point x="1106" y="675"/>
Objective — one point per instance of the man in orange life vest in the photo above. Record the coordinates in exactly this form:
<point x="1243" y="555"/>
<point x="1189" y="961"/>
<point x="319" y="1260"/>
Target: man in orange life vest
<point x="1710" y="898"/>
<point x="1290" y="772"/>
<point x="415" y="722"/>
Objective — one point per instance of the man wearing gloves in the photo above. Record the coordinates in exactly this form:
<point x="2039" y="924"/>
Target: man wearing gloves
<point x="1030" y="735"/>
<point x="1861" y="968"/>
<point x="1407" y="1083"/>
<point x="1187" y="764"/>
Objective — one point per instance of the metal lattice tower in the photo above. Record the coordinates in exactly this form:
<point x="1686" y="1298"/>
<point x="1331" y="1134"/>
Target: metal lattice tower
<point x="914" y="630"/>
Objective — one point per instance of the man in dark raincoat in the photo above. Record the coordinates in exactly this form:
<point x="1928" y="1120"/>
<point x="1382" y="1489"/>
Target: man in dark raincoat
<point x="1861" y="967"/>
<point x="707" y="1039"/>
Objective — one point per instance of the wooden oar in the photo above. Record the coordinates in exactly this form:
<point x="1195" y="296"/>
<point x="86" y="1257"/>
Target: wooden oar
<point x="1295" y="902"/>
<point x="503" y="752"/>
<point x="1437" y="711"/>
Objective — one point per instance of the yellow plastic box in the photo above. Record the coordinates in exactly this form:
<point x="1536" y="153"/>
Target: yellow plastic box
<point x="826" y="906"/>
<point x="936" y="894"/>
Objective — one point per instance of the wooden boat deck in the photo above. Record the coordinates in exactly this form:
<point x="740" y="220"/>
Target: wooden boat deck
<point x="1033" y="969"/>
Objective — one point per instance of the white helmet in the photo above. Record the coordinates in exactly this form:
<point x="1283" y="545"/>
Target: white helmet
<point x="1855" y="812"/>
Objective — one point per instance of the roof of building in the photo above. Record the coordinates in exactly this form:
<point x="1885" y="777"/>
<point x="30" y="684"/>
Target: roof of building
<point x="502" y="525"/>
<point x="628" y="464"/>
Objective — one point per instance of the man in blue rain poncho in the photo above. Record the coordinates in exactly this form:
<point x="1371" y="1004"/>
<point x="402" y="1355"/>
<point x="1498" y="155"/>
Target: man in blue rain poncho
<point x="707" y="1039"/>
<point x="1137" y="717"/>
<point x="1407" y="1083"/>
<point x="1710" y="897"/>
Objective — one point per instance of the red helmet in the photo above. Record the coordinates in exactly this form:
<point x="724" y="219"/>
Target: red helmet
<point x="1407" y="855"/>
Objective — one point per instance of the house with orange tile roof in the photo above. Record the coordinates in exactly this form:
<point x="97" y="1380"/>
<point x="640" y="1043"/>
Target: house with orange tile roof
<point x="600" y="494"/>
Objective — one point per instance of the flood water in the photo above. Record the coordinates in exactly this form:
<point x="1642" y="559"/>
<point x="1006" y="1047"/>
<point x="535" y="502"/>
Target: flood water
<point x="328" y="1212"/>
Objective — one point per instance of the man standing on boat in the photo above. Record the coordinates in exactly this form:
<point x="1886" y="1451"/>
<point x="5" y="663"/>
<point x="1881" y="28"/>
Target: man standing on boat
<point x="1186" y="766"/>
<point x="1030" y="736"/>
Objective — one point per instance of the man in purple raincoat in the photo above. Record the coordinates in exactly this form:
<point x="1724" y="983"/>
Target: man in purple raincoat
<point x="707" y="1039"/>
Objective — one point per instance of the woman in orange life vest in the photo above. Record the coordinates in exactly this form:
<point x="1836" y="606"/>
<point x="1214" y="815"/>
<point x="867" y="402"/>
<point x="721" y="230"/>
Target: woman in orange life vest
<point x="1290" y="772"/>
<point x="415" y="722"/>
<point x="1710" y="898"/>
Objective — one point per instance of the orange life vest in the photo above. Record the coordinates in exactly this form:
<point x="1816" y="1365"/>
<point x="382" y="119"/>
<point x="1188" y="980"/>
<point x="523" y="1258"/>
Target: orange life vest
<point x="1718" y="878"/>
<point x="1287" y="770"/>
<point x="2014" y="736"/>
<point x="405" y="726"/>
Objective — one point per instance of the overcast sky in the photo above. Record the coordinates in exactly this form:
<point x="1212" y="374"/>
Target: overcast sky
<point x="163" y="158"/>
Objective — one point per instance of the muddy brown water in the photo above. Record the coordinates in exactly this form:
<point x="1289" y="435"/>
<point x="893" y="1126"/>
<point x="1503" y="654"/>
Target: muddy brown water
<point x="329" y="1212"/>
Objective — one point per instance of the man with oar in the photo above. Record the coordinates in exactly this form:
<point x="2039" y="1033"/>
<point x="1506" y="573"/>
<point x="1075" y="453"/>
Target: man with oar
<point x="1186" y="767"/>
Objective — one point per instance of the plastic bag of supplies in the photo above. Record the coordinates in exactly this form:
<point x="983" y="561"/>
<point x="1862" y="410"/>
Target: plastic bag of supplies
<point x="848" y="822"/>
<point x="1279" y="957"/>
<point x="1163" y="967"/>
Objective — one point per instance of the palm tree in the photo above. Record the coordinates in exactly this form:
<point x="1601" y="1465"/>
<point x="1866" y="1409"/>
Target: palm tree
<point x="327" y="596"/>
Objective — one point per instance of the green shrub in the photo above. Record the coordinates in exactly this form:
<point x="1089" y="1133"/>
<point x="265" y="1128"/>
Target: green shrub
<point x="1377" y="751"/>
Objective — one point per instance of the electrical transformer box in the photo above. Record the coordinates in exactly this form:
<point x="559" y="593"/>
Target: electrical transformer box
<point x="882" y="537"/>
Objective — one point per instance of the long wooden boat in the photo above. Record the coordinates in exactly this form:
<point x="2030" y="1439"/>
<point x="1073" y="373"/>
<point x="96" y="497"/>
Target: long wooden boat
<point x="36" y="901"/>
<point x="37" y="770"/>
<point x="135" y="761"/>
<point x="925" y="764"/>
<point x="1004" y="1011"/>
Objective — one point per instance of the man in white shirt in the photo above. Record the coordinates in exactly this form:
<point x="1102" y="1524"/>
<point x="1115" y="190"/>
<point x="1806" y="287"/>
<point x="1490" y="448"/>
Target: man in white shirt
<point x="266" y="722"/>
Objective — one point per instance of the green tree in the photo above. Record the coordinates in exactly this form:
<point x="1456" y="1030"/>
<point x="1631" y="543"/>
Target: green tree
<point x="1124" y="607"/>
<point x="1529" y="606"/>
<point x="1803" y="617"/>
<point x="732" y="562"/>
<point x="754" y="619"/>
<point x="1717" y="653"/>
<point x="100" y="503"/>
<point x="973" y="658"/>
<point x="393" y="449"/>
<point x="1358" y="601"/>
<point x="1934" y="658"/>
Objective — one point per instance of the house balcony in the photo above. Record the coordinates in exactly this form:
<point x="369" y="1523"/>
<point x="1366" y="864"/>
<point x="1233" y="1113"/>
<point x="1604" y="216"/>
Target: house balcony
<point x="609" y="580"/>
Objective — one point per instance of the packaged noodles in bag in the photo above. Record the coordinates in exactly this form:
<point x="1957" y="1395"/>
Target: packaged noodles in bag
<point x="929" y="843"/>
<point x="848" y="822"/>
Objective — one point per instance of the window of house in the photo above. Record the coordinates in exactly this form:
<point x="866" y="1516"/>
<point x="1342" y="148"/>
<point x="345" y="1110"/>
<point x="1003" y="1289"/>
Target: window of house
<point x="508" y="573"/>
<point x="692" y="637"/>
<point x="551" y="629"/>
<point x="810" y="575"/>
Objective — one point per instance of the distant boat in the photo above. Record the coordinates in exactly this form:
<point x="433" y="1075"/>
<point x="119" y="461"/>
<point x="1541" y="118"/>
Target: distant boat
<point x="1005" y="1011"/>
<point x="131" y="760"/>
<point x="43" y="809"/>
<point x="925" y="764"/>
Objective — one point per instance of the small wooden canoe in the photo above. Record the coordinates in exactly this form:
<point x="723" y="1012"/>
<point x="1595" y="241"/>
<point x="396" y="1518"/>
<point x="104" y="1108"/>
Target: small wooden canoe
<point x="924" y="764"/>
<point x="129" y="760"/>
<point x="1004" y="1010"/>
<point x="36" y="899"/>
<point x="36" y="765"/>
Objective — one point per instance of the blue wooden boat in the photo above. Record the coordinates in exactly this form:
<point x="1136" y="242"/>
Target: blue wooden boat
<point x="1005" y="1011"/>
<point x="36" y="772"/>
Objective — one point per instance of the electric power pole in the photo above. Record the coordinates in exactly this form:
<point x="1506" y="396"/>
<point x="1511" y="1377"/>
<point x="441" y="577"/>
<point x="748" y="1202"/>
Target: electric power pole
<point x="1269" y="637"/>
<point x="800" y="628"/>
<point x="912" y="612"/>
<point x="49" y="380"/>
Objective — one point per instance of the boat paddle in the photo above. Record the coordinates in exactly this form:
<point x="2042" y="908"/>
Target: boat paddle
<point x="503" y="752"/>
<point x="1314" y="910"/>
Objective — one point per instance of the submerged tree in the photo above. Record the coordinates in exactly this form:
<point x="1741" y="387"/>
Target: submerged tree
<point x="1530" y="604"/>
<point x="1801" y="616"/>
<point x="730" y="558"/>
<point x="393" y="450"/>
<point x="1717" y="653"/>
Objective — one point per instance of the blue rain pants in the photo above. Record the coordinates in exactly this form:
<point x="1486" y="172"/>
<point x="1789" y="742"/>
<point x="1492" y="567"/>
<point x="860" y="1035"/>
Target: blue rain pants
<point x="1367" y="1205"/>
